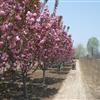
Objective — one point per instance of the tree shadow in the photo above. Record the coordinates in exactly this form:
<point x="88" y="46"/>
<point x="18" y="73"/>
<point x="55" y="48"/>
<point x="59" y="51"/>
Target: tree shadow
<point x="62" y="71"/>
<point x="36" y="91"/>
<point x="48" y="80"/>
<point x="10" y="90"/>
<point x="59" y="72"/>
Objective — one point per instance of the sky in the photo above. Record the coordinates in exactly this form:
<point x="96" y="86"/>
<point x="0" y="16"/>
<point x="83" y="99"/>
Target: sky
<point x="83" y="17"/>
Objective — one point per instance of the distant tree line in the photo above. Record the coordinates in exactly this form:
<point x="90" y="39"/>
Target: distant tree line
<point x="92" y="49"/>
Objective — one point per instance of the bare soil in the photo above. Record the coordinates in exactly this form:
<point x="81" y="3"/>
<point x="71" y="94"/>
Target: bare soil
<point x="54" y="80"/>
<point x="73" y="87"/>
<point x="90" y="69"/>
<point x="79" y="84"/>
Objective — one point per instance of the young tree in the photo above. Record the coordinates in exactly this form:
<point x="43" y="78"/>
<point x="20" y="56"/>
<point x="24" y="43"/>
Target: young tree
<point x="80" y="51"/>
<point x="93" y="46"/>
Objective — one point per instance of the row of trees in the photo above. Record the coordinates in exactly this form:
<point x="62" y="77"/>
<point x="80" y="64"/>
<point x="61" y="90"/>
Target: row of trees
<point x="31" y="36"/>
<point x="92" y="50"/>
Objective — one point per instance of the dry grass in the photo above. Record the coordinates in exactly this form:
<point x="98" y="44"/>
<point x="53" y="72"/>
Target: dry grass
<point x="91" y="75"/>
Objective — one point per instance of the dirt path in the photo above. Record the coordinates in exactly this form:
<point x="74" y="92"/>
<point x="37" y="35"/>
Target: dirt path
<point x="73" y="87"/>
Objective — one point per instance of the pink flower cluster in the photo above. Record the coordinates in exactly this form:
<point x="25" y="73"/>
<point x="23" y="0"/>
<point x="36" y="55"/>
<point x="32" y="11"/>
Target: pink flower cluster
<point x="28" y="32"/>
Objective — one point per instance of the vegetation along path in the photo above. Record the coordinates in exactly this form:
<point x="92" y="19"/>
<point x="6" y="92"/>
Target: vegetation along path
<point x="73" y="87"/>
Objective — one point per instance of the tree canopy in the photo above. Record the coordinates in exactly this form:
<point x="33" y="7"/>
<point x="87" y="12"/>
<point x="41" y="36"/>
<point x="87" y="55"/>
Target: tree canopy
<point x="93" y="46"/>
<point x="80" y="51"/>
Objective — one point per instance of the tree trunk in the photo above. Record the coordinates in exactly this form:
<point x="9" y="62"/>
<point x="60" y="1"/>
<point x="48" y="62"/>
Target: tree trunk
<point x="13" y="78"/>
<point x="44" y="76"/>
<point x="59" y="68"/>
<point x="92" y="52"/>
<point x="25" y="92"/>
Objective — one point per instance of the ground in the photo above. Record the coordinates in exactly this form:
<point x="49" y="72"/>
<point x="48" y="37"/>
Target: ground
<point x="73" y="87"/>
<point x="66" y="85"/>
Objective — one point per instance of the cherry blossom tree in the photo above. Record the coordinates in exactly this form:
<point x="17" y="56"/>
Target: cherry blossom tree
<point x="29" y="33"/>
<point x="16" y="35"/>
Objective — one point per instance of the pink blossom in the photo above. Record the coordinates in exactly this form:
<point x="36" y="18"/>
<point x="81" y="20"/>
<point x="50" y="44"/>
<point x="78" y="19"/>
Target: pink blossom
<point x="8" y="37"/>
<point x="1" y="44"/>
<point x="43" y="40"/>
<point x="2" y="13"/>
<point x="34" y="14"/>
<point x="38" y="36"/>
<point x="18" y="17"/>
<point x="4" y="56"/>
<point x="17" y="38"/>
<point x="4" y="27"/>
<point x="29" y="14"/>
<point x="32" y="19"/>
<point x="25" y="32"/>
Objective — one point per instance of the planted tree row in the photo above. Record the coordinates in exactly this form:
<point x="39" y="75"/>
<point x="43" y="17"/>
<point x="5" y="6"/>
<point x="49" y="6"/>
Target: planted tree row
<point x="31" y="37"/>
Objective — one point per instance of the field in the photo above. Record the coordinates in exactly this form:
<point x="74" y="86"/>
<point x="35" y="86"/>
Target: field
<point x="91" y="75"/>
<point x="54" y="81"/>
